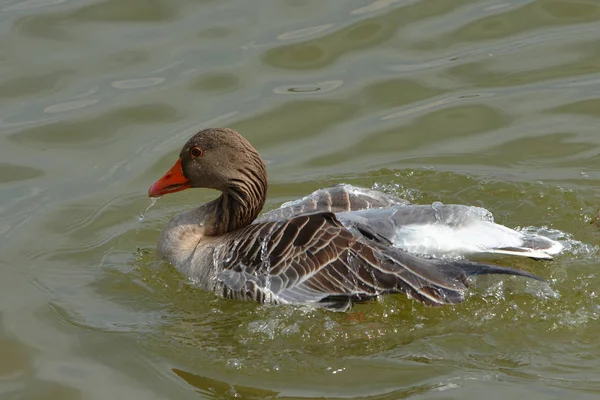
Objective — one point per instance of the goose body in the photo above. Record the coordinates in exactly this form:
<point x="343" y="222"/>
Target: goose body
<point x="334" y="247"/>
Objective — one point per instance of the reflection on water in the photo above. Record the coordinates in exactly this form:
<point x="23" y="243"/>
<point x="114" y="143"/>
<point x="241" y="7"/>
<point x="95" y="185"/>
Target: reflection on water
<point x="475" y="102"/>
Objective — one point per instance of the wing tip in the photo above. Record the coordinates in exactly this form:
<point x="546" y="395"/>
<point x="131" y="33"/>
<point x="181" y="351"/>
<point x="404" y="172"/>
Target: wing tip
<point x="473" y="269"/>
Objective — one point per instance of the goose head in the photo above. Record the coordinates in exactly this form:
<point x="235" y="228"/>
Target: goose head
<point x="215" y="158"/>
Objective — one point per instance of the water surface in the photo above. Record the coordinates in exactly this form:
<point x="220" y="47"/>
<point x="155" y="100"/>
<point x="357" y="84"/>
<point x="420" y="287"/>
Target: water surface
<point x="488" y="103"/>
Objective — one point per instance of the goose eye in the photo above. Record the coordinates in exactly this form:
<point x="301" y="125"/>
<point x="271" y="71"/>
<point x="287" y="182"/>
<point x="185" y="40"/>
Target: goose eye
<point x="196" y="152"/>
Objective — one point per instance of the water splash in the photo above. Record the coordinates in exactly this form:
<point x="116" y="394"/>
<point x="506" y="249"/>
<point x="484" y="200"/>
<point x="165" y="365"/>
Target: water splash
<point x="153" y="201"/>
<point x="569" y="243"/>
<point x="437" y="211"/>
<point x="265" y="258"/>
<point x="217" y="264"/>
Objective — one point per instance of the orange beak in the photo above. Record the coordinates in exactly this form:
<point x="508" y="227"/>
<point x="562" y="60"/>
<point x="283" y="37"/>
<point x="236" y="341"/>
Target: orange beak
<point x="171" y="182"/>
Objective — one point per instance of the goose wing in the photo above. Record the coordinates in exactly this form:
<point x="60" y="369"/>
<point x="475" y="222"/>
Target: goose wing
<point x="315" y="259"/>
<point x="338" y="198"/>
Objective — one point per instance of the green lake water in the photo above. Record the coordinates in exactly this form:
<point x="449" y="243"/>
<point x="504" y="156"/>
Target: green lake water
<point x="489" y="103"/>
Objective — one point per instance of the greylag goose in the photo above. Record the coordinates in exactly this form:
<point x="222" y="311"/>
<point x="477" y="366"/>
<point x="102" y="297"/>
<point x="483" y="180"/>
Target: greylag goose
<point x="337" y="246"/>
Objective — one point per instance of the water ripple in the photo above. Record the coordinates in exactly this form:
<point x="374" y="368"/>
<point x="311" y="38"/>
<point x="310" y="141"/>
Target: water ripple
<point x="474" y="102"/>
<point x="137" y="83"/>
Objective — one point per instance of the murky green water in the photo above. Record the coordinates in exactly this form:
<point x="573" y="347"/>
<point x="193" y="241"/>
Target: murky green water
<point x="477" y="102"/>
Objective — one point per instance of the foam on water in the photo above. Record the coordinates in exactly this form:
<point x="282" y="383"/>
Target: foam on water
<point x="569" y="243"/>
